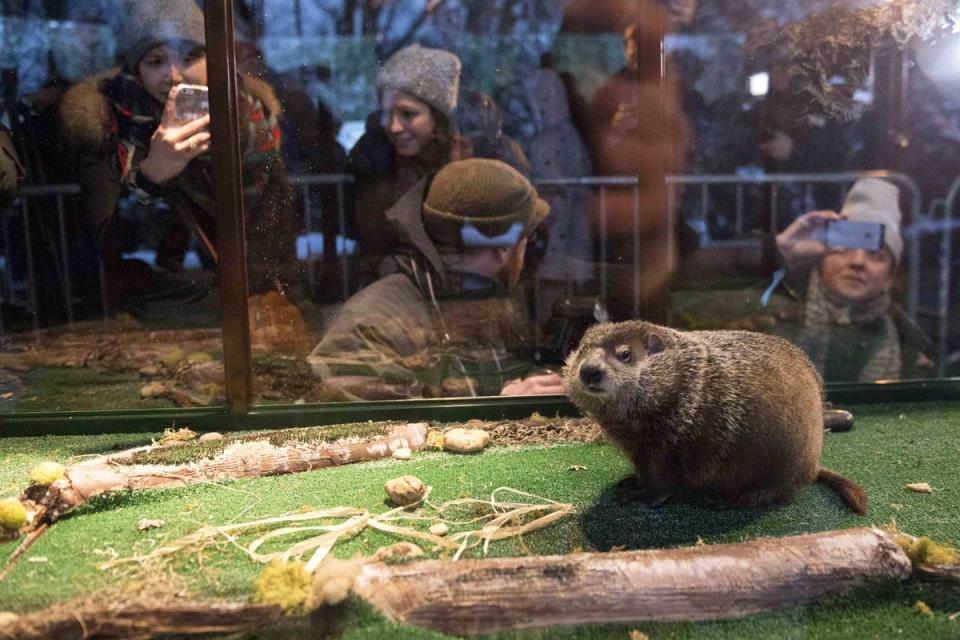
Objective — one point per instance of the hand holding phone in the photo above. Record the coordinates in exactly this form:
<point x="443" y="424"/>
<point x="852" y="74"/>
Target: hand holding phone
<point x="181" y="136"/>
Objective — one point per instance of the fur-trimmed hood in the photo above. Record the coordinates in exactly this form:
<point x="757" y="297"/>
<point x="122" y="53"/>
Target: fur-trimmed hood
<point x="85" y="112"/>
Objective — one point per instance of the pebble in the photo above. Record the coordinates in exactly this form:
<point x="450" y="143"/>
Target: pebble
<point x="465" y="440"/>
<point x="439" y="529"/>
<point x="405" y="490"/>
<point x="211" y="436"/>
<point x="153" y="390"/>
<point x="403" y="453"/>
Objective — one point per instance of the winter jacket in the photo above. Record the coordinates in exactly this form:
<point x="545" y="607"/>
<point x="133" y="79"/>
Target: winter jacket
<point x="884" y="345"/>
<point x="424" y="331"/>
<point x="109" y="119"/>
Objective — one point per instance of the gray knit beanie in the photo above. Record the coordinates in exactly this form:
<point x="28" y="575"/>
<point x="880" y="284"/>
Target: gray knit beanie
<point x="877" y="200"/>
<point x="149" y="23"/>
<point x="431" y="75"/>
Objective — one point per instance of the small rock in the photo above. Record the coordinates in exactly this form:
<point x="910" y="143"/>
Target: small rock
<point x="465" y="440"/>
<point x="398" y="552"/>
<point x="146" y="523"/>
<point x="403" y="453"/>
<point x="211" y="436"/>
<point x="577" y="467"/>
<point x="149" y="371"/>
<point x="405" y="490"/>
<point x="439" y="529"/>
<point x="153" y="390"/>
<point x="919" y="487"/>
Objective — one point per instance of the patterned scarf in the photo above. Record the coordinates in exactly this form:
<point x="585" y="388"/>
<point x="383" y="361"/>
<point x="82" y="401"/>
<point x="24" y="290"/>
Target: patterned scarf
<point x="822" y="316"/>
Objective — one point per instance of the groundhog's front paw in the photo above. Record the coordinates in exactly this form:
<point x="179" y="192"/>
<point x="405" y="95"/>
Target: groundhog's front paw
<point x="630" y="491"/>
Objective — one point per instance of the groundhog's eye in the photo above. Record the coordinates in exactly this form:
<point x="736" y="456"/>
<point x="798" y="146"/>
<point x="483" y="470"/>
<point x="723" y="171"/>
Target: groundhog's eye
<point x="624" y="354"/>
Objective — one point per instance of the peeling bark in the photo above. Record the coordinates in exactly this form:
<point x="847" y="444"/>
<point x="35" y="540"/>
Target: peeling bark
<point x="142" y="622"/>
<point x="689" y="584"/>
<point x="239" y="461"/>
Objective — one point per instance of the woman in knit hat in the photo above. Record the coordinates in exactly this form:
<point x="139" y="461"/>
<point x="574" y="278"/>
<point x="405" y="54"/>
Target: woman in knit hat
<point x="122" y="124"/>
<point x="413" y="134"/>
<point x="849" y="323"/>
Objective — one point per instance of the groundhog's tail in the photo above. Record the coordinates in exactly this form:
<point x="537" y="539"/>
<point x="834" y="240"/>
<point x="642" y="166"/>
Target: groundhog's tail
<point x="848" y="490"/>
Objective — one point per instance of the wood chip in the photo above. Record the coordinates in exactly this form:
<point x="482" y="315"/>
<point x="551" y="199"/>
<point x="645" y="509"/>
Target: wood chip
<point x="146" y="523"/>
<point x="919" y="487"/>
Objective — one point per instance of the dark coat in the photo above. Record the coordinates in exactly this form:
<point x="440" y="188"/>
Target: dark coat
<point x="109" y="119"/>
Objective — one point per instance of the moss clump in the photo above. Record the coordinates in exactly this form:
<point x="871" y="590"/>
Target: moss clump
<point x="171" y="358"/>
<point x="13" y="515"/>
<point x="286" y="584"/>
<point x="177" y="435"/>
<point x="47" y="473"/>
<point x="926" y="551"/>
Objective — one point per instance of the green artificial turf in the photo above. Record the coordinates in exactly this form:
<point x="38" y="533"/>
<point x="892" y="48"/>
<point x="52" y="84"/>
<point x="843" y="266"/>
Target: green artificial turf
<point x="890" y="446"/>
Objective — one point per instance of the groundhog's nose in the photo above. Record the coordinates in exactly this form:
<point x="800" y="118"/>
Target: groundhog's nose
<point x="591" y="375"/>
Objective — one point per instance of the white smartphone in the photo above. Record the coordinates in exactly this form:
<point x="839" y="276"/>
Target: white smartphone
<point x="192" y="102"/>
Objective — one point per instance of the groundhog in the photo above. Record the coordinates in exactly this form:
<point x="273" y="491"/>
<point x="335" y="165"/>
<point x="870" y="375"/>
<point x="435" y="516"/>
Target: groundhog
<point x="726" y="417"/>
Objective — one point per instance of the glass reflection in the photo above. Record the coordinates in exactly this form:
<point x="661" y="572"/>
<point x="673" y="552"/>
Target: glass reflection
<point x="689" y="154"/>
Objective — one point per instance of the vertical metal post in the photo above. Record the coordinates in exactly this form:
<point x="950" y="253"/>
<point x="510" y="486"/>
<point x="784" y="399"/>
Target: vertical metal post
<point x="603" y="244"/>
<point x="636" y="248"/>
<point x="705" y="211"/>
<point x="67" y="289"/>
<point x="307" y="229"/>
<point x="31" y="275"/>
<point x="342" y="223"/>
<point x="228" y="200"/>
<point x="739" y="206"/>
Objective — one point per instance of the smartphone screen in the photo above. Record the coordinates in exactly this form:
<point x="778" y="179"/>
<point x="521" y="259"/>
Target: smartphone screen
<point x="853" y="234"/>
<point x="192" y="102"/>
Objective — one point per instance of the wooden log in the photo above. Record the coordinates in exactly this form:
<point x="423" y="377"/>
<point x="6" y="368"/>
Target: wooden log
<point x="142" y="622"/>
<point x="710" y="582"/>
<point x="243" y="460"/>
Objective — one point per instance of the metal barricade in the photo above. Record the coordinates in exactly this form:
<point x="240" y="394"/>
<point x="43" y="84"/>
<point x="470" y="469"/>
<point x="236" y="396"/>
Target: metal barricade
<point x="739" y="183"/>
<point x="22" y="208"/>
<point x="313" y="213"/>
<point x="306" y="183"/>
<point x="945" y="227"/>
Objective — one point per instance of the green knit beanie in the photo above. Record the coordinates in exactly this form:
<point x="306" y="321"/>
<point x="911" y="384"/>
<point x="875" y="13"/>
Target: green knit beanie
<point x="481" y="203"/>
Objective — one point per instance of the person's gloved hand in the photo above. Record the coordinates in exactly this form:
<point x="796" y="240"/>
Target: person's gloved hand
<point x="174" y="144"/>
<point x="535" y="385"/>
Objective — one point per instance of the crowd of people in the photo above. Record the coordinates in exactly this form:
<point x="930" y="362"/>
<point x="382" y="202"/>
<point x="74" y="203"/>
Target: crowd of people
<point x="451" y="234"/>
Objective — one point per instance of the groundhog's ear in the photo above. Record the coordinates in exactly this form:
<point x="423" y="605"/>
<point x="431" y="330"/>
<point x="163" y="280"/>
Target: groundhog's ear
<point x="654" y="344"/>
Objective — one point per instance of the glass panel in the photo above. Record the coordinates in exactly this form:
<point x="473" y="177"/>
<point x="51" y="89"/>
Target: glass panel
<point x="107" y="279"/>
<point x="681" y="148"/>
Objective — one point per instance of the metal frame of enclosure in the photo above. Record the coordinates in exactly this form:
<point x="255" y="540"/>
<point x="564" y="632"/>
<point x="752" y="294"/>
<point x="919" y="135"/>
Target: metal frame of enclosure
<point x="239" y="412"/>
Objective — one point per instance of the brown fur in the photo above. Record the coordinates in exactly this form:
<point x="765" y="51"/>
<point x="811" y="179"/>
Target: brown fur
<point x="727" y="416"/>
